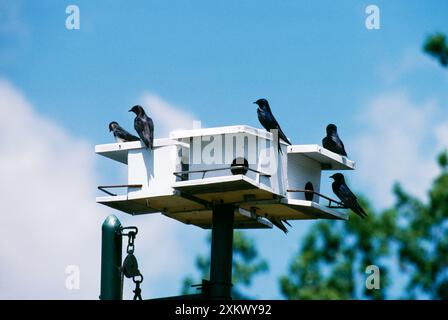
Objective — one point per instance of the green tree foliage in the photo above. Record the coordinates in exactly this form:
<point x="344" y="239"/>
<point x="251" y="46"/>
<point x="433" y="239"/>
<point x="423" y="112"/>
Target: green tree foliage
<point x="333" y="257"/>
<point x="437" y="46"/>
<point x="423" y="237"/>
<point x="246" y="264"/>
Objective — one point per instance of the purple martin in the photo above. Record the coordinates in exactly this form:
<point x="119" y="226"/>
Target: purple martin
<point x="143" y="125"/>
<point x="268" y="120"/>
<point x="332" y="141"/>
<point x="346" y="196"/>
<point x="120" y="134"/>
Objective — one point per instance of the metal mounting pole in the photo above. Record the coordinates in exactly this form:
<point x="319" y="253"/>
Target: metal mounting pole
<point x="221" y="252"/>
<point x="111" y="245"/>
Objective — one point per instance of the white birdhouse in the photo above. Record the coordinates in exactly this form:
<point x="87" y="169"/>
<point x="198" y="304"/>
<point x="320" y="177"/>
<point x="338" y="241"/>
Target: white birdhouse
<point x="183" y="176"/>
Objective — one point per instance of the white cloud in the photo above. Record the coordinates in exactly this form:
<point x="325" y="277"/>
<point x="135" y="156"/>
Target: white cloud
<point x="399" y="142"/>
<point x="50" y="220"/>
<point x="166" y="116"/>
<point x="47" y="208"/>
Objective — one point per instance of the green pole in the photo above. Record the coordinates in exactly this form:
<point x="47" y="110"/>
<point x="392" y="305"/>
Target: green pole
<point x="221" y="252"/>
<point x="111" y="245"/>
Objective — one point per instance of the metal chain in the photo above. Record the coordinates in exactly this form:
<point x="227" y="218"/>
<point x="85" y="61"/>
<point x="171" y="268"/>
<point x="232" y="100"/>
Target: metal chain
<point x="138" y="279"/>
<point x="131" y="237"/>
<point x="137" y="291"/>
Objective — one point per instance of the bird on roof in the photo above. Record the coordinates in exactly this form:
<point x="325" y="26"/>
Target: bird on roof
<point x="332" y="141"/>
<point x="268" y="120"/>
<point x="346" y="196"/>
<point x="120" y="134"/>
<point x="143" y="125"/>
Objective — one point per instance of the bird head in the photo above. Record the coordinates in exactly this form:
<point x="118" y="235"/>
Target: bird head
<point x="331" y="128"/>
<point x="262" y="103"/>
<point x="137" y="109"/>
<point x="113" y="125"/>
<point x="338" y="177"/>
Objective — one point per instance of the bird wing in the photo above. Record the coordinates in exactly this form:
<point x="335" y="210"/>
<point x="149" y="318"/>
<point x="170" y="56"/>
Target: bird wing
<point x="339" y="143"/>
<point x="275" y="125"/>
<point x="140" y="126"/>
<point x="125" y="135"/>
<point x="283" y="136"/>
<point x="346" y="193"/>
<point x="264" y="120"/>
<point x="349" y="200"/>
<point x="269" y="122"/>
<point x="149" y="130"/>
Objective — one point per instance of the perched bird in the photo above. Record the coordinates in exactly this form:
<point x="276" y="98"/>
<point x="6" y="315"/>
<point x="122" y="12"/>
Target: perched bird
<point x="332" y="141"/>
<point x="346" y="196"/>
<point x="120" y="134"/>
<point x="143" y="125"/>
<point x="268" y="120"/>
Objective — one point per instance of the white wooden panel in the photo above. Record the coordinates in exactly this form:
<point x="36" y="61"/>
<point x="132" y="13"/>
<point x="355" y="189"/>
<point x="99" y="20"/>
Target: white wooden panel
<point x="302" y="169"/>
<point x="154" y="170"/>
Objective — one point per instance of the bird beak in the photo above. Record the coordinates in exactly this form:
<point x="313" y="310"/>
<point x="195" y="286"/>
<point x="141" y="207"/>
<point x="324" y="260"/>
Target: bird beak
<point x="332" y="176"/>
<point x="254" y="102"/>
<point x="130" y="110"/>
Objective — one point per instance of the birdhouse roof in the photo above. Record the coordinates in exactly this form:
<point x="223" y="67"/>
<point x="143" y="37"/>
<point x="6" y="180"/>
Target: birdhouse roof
<point x="328" y="160"/>
<point x="242" y="129"/>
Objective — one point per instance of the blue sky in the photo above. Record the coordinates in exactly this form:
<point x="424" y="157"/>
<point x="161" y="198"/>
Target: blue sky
<point x="314" y="61"/>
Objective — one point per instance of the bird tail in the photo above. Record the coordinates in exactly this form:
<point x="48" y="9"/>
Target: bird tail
<point x="359" y="211"/>
<point x="282" y="136"/>
<point x="279" y="224"/>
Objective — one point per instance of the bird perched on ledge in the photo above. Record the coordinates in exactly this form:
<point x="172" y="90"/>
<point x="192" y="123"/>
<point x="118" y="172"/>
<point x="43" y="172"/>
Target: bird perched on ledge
<point x="120" y="134"/>
<point x="332" y="141"/>
<point x="268" y="120"/>
<point x="143" y="125"/>
<point x="346" y="196"/>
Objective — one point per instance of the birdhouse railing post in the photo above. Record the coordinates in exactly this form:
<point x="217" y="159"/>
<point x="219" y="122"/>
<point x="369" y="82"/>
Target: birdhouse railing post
<point x="221" y="252"/>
